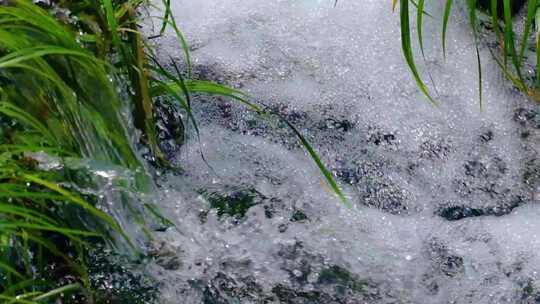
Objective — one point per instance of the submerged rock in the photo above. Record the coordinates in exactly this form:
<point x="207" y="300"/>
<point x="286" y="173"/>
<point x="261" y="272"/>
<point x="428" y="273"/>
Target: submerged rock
<point x="458" y="212"/>
<point x="234" y="201"/>
<point x="311" y="281"/>
<point x="115" y="279"/>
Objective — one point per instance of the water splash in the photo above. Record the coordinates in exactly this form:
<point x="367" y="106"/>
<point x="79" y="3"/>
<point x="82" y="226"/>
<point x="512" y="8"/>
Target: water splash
<point x="444" y="213"/>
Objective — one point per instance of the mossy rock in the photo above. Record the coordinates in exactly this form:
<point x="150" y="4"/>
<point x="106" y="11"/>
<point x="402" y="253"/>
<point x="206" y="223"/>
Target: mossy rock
<point x="233" y="201"/>
<point x="343" y="278"/>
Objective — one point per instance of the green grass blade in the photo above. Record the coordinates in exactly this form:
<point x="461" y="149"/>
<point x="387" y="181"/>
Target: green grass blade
<point x="473" y="20"/>
<point x="419" y="18"/>
<point x="326" y="173"/>
<point x="166" y="16"/>
<point x="79" y="201"/>
<point x="446" y="16"/>
<point x="421" y="8"/>
<point x="531" y="11"/>
<point x="57" y="291"/>
<point x="537" y="22"/>
<point x="10" y="269"/>
<point x="509" y="37"/>
<point x="407" y="48"/>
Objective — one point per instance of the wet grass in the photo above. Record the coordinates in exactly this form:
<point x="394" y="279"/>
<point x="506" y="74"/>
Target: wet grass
<point x="77" y="81"/>
<point x="516" y="52"/>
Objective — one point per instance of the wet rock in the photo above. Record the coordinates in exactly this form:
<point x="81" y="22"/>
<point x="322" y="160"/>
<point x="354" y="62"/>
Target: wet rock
<point x="443" y="260"/>
<point x="343" y="125"/>
<point x="290" y="296"/>
<point x="356" y="172"/>
<point x="531" y="176"/>
<point x="528" y="292"/>
<point x="458" y="212"/>
<point x="487" y="136"/>
<point x="298" y="216"/>
<point x="336" y="275"/>
<point x="165" y="256"/>
<point x="169" y="127"/>
<point x="433" y="150"/>
<point x="234" y="202"/>
<point x="527" y="117"/>
<point x="374" y="189"/>
<point x="225" y="289"/>
<point x="455" y="213"/>
<point x="115" y="279"/>
<point x="483" y="177"/>
<point x="381" y="138"/>
<point x="384" y="196"/>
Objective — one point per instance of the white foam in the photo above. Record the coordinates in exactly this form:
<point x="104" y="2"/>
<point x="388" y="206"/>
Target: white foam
<point x="310" y="56"/>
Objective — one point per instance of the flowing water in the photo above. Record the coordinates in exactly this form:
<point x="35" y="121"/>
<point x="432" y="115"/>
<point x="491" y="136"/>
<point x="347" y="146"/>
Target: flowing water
<point x="446" y="206"/>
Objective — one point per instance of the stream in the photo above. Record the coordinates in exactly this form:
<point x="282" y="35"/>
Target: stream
<point x="446" y="200"/>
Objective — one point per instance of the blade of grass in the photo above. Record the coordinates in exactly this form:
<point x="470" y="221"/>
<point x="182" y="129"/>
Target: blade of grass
<point x="326" y="173"/>
<point x="531" y="11"/>
<point x="407" y="48"/>
<point x="446" y="16"/>
<point x="509" y="37"/>
<point x="537" y="22"/>
<point x="473" y="20"/>
<point x="419" y="27"/>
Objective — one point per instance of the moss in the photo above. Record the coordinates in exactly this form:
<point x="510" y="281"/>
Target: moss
<point x="233" y="201"/>
<point x="343" y="278"/>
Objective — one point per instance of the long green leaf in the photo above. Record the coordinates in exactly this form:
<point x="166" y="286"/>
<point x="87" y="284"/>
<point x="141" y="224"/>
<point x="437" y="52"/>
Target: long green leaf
<point x="446" y="16"/>
<point x="407" y="48"/>
<point x="531" y="12"/>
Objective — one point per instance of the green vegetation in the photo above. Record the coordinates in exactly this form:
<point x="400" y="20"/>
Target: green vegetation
<point x="71" y="72"/>
<point x="516" y="54"/>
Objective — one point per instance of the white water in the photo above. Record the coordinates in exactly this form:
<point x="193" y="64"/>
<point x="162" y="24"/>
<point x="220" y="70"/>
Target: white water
<point x="319" y="65"/>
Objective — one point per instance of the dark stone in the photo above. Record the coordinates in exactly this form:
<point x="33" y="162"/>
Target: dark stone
<point x="487" y="136"/>
<point x="458" y="212"/>
<point x="298" y="216"/>
<point x="455" y="213"/>
<point x="531" y="176"/>
<point x="527" y="117"/>
<point x="379" y="137"/>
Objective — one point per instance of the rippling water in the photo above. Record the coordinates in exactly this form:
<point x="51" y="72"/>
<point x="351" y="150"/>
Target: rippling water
<point x="444" y="197"/>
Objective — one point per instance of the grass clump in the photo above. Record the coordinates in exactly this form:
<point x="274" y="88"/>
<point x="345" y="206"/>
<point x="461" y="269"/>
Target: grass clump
<point x="516" y="52"/>
<point x="66" y="81"/>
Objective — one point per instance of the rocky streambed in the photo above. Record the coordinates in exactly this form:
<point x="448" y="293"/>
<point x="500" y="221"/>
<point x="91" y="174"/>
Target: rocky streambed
<point x="446" y="199"/>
